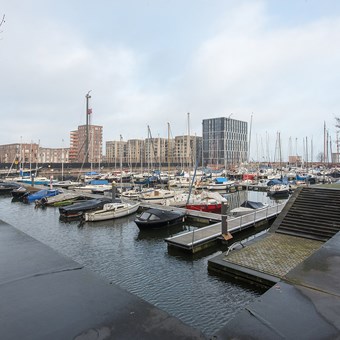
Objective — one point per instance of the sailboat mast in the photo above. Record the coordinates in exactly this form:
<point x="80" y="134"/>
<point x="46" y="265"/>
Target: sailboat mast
<point x="87" y="96"/>
<point x="250" y="127"/>
<point x="62" y="160"/>
<point x="188" y="141"/>
<point x="169" y="148"/>
<point x="121" y="161"/>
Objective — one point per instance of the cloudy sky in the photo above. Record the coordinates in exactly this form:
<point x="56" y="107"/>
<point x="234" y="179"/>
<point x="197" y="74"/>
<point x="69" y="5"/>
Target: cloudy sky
<point x="275" y="64"/>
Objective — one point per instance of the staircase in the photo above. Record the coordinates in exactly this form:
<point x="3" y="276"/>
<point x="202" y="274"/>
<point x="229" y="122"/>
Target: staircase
<point x="312" y="212"/>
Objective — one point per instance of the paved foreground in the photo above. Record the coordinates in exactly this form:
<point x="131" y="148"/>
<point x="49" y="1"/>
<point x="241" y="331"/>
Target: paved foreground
<point x="305" y="304"/>
<point x="45" y="295"/>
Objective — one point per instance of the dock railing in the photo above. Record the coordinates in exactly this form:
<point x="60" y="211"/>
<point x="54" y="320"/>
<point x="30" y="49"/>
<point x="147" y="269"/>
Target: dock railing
<point x="198" y="236"/>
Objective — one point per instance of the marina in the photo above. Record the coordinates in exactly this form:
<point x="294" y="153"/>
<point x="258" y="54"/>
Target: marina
<point x="210" y="261"/>
<point x="138" y="261"/>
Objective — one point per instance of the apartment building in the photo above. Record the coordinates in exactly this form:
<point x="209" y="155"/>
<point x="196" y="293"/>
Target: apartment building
<point x="79" y="144"/>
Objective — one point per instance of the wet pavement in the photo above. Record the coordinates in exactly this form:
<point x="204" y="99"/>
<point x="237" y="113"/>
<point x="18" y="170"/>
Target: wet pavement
<point x="305" y="304"/>
<point x="45" y="295"/>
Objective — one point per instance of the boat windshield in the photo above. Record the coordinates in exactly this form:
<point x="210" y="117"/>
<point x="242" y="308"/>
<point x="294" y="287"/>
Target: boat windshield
<point x="153" y="217"/>
<point x="145" y="216"/>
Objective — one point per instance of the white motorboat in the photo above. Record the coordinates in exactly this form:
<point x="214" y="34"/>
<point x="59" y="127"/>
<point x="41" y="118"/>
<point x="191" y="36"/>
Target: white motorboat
<point x="157" y="196"/>
<point x="112" y="210"/>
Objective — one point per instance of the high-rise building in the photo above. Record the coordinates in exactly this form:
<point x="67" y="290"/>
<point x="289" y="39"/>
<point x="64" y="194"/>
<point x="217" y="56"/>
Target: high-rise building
<point x="78" y="144"/>
<point x="225" y="142"/>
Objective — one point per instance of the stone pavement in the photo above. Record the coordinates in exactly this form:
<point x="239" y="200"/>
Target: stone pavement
<point x="275" y="254"/>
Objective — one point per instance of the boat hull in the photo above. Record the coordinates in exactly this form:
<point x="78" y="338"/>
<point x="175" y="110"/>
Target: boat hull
<point x="211" y="208"/>
<point x="110" y="214"/>
<point x="154" y="219"/>
<point x="77" y="210"/>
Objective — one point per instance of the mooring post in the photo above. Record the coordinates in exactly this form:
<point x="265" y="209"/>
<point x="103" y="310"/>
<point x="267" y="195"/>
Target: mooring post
<point x="224" y="210"/>
<point x="113" y="191"/>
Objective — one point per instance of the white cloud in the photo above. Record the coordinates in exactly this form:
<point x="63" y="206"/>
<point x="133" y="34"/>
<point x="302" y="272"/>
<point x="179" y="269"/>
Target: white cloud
<point x="286" y="76"/>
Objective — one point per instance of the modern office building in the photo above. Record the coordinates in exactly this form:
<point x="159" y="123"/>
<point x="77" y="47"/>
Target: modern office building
<point x="225" y="142"/>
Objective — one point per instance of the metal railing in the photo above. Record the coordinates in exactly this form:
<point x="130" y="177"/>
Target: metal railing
<point x="234" y="224"/>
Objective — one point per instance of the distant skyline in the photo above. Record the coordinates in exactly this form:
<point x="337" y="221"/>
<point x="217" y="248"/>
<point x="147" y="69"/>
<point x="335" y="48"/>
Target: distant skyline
<point x="147" y="63"/>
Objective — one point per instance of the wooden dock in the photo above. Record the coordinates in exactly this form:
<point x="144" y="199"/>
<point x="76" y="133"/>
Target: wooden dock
<point x="202" y="238"/>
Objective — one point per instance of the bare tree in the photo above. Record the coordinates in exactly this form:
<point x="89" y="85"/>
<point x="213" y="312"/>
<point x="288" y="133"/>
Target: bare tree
<point x="2" y="21"/>
<point x="337" y="124"/>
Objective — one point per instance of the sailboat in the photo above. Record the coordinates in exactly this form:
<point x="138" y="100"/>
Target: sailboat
<point x="112" y="211"/>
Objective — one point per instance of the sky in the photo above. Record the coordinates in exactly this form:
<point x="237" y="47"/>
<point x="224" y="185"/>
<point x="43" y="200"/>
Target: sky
<point x="148" y="63"/>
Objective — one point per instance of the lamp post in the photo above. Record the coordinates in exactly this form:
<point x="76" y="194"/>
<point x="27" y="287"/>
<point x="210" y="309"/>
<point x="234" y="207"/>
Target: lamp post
<point x="87" y="127"/>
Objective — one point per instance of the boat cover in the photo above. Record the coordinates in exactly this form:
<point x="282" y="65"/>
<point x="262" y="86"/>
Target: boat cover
<point x="252" y="205"/>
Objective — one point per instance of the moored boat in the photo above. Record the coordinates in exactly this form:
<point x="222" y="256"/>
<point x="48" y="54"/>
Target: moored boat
<point x="40" y="194"/>
<point x="61" y="199"/>
<point x="220" y="183"/>
<point x="94" y="186"/>
<point x="158" y="218"/>
<point x="66" y="184"/>
<point x="76" y="210"/>
<point x="279" y="190"/>
<point x="157" y="195"/>
<point x="206" y="201"/>
<point x="112" y="210"/>
<point x="7" y="187"/>
<point x="247" y="207"/>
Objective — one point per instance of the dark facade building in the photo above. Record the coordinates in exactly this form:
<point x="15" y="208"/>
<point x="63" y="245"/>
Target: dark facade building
<point x="225" y="142"/>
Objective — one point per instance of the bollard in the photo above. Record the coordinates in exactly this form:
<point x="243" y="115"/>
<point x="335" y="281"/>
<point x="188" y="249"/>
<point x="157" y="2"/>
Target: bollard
<point x="113" y="192"/>
<point x="224" y="210"/>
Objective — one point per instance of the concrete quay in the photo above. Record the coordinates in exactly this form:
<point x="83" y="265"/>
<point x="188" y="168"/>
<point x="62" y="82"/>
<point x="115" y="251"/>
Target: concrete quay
<point x="265" y="260"/>
<point x="304" y="304"/>
<point x="299" y="258"/>
<point x="45" y="295"/>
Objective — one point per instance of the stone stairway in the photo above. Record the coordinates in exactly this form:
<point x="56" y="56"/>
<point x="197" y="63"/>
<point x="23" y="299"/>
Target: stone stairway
<point x="312" y="212"/>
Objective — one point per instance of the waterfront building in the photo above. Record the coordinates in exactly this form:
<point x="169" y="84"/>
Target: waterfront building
<point x="135" y="151"/>
<point x="78" y="139"/>
<point x="115" y="152"/>
<point x="53" y="155"/>
<point x="29" y="154"/>
<point x="74" y="141"/>
<point x="225" y="142"/>
<point x="19" y="153"/>
<point x="156" y="151"/>
<point x="183" y="151"/>
<point x="295" y="160"/>
<point x="187" y="151"/>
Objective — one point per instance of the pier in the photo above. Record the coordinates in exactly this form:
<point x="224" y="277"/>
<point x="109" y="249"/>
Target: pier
<point x="202" y="238"/>
<point x="299" y="260"/>
<point x="310" y="217"/>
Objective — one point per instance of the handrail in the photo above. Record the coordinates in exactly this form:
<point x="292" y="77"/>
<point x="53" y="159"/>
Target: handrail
<point x="253" y="217"/>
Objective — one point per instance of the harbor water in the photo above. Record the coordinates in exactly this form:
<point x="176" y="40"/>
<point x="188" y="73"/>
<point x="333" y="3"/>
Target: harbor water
<point x="140" y="263"/>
